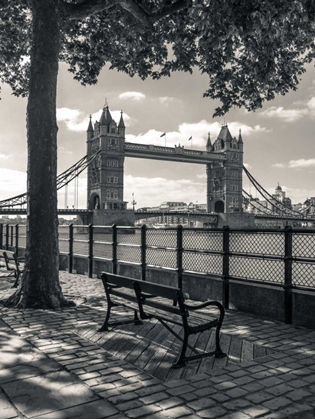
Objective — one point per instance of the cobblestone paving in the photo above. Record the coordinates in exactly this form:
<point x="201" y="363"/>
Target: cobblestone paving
<point x="48" y="371"/>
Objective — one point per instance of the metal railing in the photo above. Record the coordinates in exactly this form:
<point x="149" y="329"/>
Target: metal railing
<point x="275" y="257"/>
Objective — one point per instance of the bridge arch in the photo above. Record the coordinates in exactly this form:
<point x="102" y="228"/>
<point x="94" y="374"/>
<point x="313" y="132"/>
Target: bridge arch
<point x="94" y="201"/>
<point x="219" y="206"/>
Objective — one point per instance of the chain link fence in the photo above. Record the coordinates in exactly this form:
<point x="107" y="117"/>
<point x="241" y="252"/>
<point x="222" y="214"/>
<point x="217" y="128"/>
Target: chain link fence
<point x="273" y="256"/>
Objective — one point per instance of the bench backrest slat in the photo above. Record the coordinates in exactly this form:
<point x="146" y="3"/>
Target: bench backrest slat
<point x="116" y="280"/>
<point x="159" y="290"/>
<point x="159" y="305"/>
<point x="146" y="287"/>
<point x="126" y="296"/>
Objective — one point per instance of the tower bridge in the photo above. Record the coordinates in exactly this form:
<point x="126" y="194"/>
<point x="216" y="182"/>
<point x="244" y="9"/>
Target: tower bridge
<point x="223" y="159"/>
<point x="105" y="192"/>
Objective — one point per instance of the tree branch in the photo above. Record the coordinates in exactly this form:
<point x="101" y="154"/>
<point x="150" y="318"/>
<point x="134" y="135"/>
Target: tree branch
<point x="92" y="7"/>
<point x="173" y="8"/>
<point x="86" y="8"/>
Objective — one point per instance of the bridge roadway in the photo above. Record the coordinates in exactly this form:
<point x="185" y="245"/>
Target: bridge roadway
<point x="209" y="217"/>
<point x="177" y="153"/>
<point x="60" y="211"/>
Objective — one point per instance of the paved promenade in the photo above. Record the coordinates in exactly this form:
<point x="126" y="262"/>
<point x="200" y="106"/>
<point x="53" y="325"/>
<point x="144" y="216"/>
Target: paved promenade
<point x="47" y="370"/>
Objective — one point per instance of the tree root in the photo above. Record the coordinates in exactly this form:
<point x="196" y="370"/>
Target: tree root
<point x="54" y="302"/>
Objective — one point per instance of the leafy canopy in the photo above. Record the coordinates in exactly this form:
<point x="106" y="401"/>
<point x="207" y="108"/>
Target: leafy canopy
<point x="250" y="49"/>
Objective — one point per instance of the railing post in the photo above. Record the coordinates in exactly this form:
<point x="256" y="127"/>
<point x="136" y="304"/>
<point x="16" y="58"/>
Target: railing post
<point x="17" y="240"/>
<point x="226" y="267"/>
<point x="70" y="254"/>
<point x="11" y="235"/>
<point x="7" y="236"/>
<point x="114" y="251"/>
<point x="143" y="251"/>
<point x="179" y="251"/>
<point x="1" y="235"/>
<point x="90" y="259"/>
<point x="288" y="275"/>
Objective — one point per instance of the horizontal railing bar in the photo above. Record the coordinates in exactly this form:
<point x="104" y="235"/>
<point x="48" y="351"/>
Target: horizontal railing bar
<point x="202" y="251"/>
<point x="257" y="256"/>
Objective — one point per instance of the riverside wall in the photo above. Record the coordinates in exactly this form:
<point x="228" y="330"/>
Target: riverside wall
<point x="263" y="299"/>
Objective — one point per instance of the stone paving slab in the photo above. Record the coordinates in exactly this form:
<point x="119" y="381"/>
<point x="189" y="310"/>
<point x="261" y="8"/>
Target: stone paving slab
<point x="57" y="366"/>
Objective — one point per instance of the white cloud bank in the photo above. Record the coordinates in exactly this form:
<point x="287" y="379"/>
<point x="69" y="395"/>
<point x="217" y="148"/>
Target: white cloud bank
<point x="12" y="183"/>
<point x="198" y="131"/>
<point x="78" y="121"/>
<point x="296" y="164"/>
<point x="288" y="115"/>
<point x="291" y="115"/>
<point x="133" y="96"/>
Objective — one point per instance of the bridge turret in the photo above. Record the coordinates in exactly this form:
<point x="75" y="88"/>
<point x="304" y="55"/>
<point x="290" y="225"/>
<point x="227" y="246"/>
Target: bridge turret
<point x="90" y="131"/>
<point x="209" y="146"/>
<point x="105" y="121"/>
<point x="240" y="140"/>
<point x="121" y="125"/>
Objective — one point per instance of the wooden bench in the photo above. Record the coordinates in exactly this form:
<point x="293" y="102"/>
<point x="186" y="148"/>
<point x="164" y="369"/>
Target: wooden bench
<point x="13" y="264"/>
<point x="167" y="305"/>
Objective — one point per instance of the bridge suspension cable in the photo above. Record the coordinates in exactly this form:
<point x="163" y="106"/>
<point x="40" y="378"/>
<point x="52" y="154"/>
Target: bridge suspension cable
<point x="269" y="198"/>
<point x="63" y="179"/>
<point x="256" y="204"/>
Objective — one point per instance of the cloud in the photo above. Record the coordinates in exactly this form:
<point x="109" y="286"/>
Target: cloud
<point x="134" y="96"/>
<point x="12" y="183"/>
<point x="298" y="195"/>
<point x="278" y="165"/>
<point x="64" y="151"/>
<point x="3" y="156"/>
<point x="152" y="191"/>
<point x="78" y="121"/>
<point x="166" y="100"/>
<point x="296" y="164"/>
<point x="301" y="163"/>
<point x="198" y="131"/>
<point x="288" y="115"/>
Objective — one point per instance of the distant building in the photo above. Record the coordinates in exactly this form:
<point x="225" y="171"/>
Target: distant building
<point x="169" y="207"/>
<point x="273" y="205"/>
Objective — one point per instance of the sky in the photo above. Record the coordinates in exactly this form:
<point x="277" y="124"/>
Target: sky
<point x="279" y="144"/>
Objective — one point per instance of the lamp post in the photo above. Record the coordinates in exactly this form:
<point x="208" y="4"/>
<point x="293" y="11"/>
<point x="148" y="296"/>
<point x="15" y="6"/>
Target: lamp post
<point x="133" y="201"/>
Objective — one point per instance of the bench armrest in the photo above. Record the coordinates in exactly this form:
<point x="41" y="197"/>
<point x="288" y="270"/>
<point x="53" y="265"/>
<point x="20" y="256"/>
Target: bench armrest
<point x="205" y="304"/>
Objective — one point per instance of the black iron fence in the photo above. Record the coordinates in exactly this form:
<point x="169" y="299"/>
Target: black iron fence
<point x="276" y="257"/>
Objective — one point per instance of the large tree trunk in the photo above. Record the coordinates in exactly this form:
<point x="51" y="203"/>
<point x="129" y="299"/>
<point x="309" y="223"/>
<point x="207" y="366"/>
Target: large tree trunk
<point x="40" y="282"/>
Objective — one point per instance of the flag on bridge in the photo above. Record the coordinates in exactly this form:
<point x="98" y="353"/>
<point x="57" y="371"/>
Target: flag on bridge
<point x="162" y="135"/>
<point x="190" y="138"/>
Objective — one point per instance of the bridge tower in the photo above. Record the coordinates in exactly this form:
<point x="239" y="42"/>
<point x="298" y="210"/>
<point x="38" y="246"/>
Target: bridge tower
<point x="105" y="189"/>
<point x="224" y="179"/>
